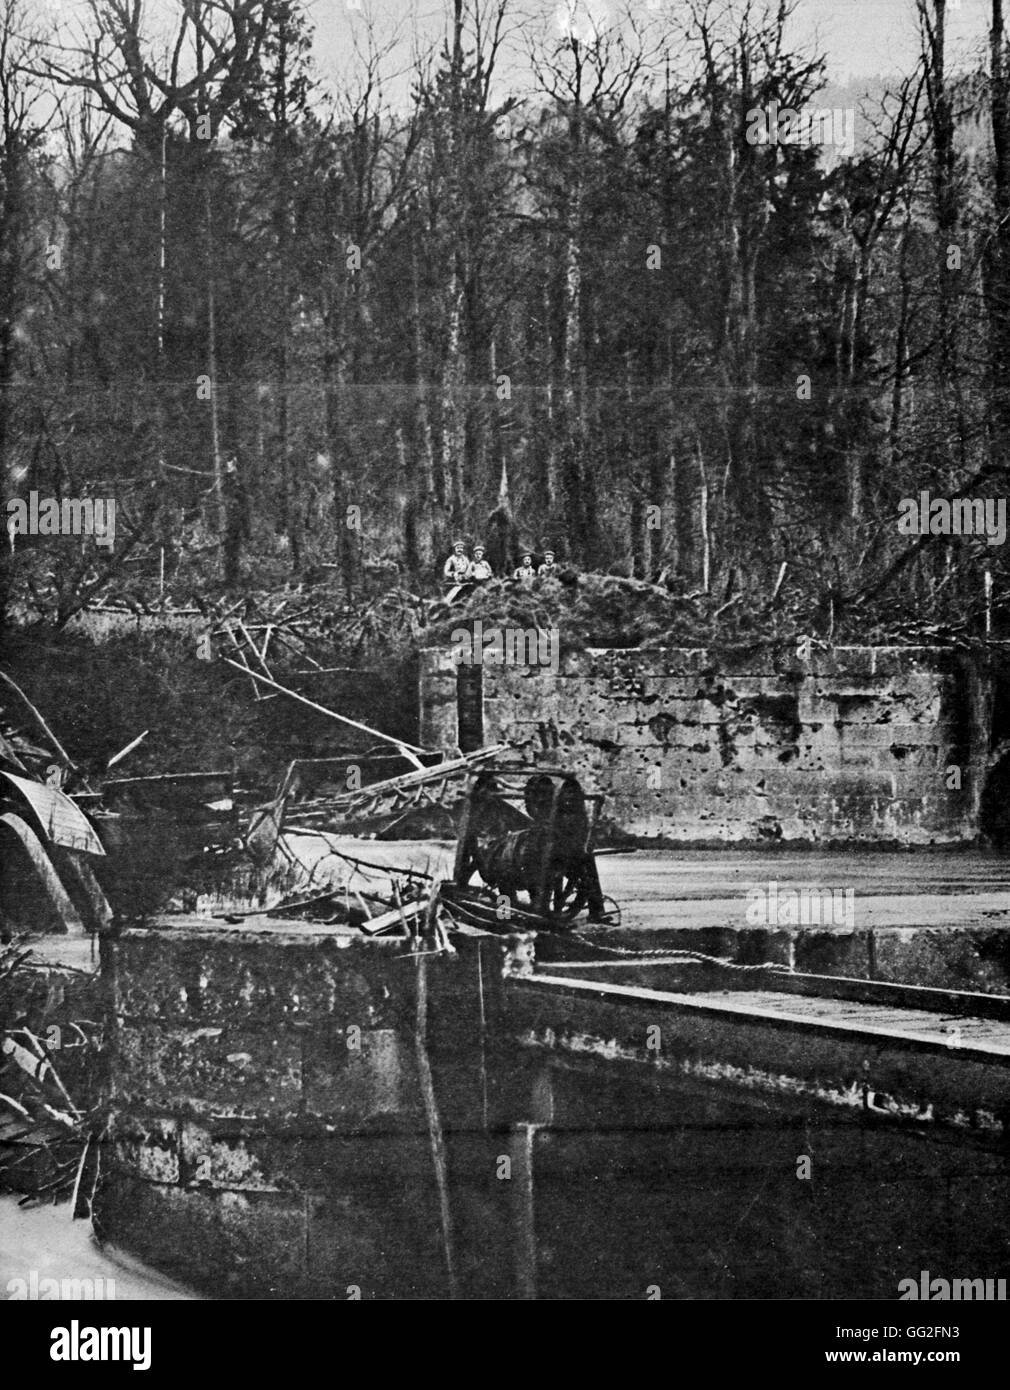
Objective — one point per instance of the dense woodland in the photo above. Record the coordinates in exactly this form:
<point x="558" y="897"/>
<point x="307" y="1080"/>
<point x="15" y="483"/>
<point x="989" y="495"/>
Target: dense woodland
<point x="539" y="289"/>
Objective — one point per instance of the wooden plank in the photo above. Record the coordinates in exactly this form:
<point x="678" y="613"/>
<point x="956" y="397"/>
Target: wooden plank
<point x="978" y="1005"/>
<point x="367" y="799"/>
<point x="242" y="659"/>
<point x="63" y="822"/>
<point x="783" y="981"/>
<point x="252" y="645"/>
<point x="396" y="917"/>
<point x="755" y="1008"/>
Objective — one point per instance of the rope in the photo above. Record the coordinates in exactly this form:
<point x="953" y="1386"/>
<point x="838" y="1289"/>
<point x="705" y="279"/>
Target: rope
<point x="668" y="954"/>
<point x="468" y="913"/>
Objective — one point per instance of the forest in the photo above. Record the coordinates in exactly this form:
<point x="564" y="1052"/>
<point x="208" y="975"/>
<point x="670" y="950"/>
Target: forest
<point x="545" y="281"/>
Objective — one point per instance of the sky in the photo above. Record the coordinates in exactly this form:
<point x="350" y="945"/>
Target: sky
<point x="861" y="39"/>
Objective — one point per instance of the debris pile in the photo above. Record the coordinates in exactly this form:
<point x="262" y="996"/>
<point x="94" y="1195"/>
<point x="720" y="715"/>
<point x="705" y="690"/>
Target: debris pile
<point x="48" y="1138"/>
<point x="526" y="836"/>
<point x="412" y="805"/>
<point x="339" y="888"/>
<point x="173" y="841"/>
<point x="249" y="631"/>
<point x="198" y="841"/>
<point x="600" y="610"/>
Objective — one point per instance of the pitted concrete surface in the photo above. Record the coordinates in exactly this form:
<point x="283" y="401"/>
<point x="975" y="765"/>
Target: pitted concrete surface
<point x="853" y="746"/>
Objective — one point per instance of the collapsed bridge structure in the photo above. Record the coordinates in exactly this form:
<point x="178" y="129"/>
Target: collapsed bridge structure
<point x="375" y="1010"/>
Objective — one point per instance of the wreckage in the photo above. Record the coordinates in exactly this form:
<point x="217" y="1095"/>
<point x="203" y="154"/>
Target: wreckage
<point x="527" y="835"/>
<point x="136" y="847"/>
<point x="237" y="928"/>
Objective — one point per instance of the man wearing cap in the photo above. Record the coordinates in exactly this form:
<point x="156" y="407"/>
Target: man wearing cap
<point x="547" y="570"/>
<point x="479" y="569"/>
<point x="457" y="568"/>
<point x="525" y="570"/>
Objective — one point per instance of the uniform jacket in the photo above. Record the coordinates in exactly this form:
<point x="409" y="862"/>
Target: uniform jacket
<point x="456" y="568"/>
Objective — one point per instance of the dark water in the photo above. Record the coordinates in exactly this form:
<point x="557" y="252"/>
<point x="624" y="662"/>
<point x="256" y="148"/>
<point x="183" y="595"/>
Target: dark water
<point x="612" y="1187"/>
<point x="509" y="1172"/>
<point x="581" y="1176"/>
<point x="609" y="1187"/>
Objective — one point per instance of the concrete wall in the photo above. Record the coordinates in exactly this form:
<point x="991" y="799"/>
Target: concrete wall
<point x="266" y="1131"/>
<point x="852" y="745"/>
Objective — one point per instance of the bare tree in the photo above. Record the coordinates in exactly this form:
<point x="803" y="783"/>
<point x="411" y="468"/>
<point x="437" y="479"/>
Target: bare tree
<point x="368" y="158"/>
<point x="996" y="263"/>
<point x="23" y="255"/>
<point x="199" y="70"/>
<point x="589" y="71"/>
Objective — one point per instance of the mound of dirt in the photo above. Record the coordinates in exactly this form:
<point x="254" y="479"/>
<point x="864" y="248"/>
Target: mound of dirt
<point x="601" y="610"/>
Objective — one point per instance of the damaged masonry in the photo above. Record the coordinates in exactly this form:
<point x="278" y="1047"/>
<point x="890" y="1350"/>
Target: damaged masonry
<point x="235" y="1016"/>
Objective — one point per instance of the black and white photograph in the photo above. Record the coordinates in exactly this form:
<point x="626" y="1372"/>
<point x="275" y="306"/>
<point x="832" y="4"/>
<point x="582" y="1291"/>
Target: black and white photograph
<point x="505" y="663"/>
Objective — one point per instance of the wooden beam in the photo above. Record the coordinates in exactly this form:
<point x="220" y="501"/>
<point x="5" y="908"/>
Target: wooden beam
<point x="409" y="750"/>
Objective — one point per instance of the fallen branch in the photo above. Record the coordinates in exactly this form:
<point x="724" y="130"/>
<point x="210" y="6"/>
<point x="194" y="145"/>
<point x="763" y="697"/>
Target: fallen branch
<point x="124" y="752"/>
<point x="57" y="745"/>
<point x="409" y="750"/>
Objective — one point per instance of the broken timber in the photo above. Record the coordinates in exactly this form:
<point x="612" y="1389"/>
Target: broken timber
<point x="409" y="750"/>
<point x="378" y="807"/>
<point x="60" y="751"/>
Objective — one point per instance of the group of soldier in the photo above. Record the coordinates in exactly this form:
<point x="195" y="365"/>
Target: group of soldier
<point x="460" y="569"/>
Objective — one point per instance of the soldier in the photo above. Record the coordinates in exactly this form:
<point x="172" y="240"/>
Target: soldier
<point x="479" y="570"/>
<point x="457" y="568"/>
<point x="547" y="570"/>
<point x="525" y="570"/>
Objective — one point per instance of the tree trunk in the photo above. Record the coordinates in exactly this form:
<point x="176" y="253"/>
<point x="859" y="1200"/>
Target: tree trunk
<point x="426" y="499"/>
<point x="997" y="260"/>
<point x="220" y="517"/>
